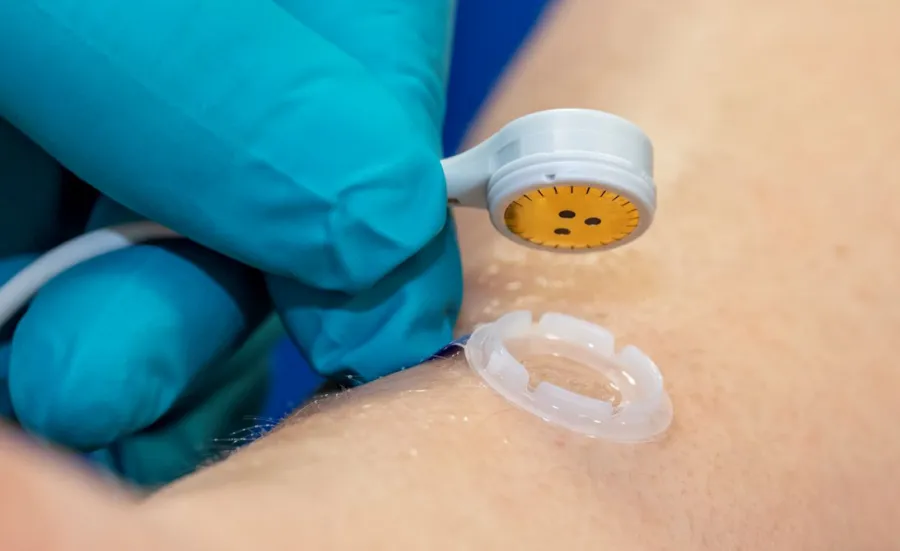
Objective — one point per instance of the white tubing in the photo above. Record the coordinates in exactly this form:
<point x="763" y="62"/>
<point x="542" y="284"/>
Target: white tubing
<point x="22" y="287"/>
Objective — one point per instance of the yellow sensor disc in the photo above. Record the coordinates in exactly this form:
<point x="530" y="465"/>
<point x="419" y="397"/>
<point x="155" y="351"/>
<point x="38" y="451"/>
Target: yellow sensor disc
<point x="571" y="217"/>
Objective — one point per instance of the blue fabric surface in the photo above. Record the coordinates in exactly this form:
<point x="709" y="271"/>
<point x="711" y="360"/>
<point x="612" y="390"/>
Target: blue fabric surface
<point x="488" y="35"/>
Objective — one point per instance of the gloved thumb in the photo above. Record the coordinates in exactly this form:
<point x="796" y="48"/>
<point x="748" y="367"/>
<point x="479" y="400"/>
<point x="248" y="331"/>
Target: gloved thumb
<point x="230" y="122"/>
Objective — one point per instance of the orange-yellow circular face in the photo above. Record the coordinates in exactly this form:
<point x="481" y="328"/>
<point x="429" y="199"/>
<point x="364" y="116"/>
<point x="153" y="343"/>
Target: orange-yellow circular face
<point x="572" y="217"/>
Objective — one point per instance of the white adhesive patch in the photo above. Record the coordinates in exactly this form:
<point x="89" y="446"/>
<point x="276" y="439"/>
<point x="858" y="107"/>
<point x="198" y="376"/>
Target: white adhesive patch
<point x="644" y="412"/>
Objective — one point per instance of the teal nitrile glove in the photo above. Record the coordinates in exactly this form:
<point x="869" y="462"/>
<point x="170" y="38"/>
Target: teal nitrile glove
<point x="299" y="138"/>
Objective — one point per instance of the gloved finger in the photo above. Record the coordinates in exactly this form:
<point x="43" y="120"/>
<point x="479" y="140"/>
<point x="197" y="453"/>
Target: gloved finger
<point x="230" y="122"/>
<point x="405" y="44"/>
<point x="410" y="315"/>
<point x="401" y="321"/>
<point x="30" y="194"/>
<point x="204" y="425"/>
<point x="108" y="347"/>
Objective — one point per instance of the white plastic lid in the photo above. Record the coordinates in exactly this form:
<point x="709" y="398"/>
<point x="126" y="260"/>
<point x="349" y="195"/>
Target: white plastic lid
<point x="644" y="411"/>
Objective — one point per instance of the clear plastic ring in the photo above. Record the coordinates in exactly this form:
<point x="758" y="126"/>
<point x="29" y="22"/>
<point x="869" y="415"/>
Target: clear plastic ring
<point x="644" y="411"/>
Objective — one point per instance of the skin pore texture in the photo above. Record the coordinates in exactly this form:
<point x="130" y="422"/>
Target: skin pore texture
<point x="766" y="292"/>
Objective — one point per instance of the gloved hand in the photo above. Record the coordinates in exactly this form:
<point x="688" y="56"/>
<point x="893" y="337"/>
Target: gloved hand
<point x="297" y="138"/>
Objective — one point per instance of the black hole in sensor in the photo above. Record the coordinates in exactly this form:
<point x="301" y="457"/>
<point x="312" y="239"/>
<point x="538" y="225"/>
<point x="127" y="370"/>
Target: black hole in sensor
<point x="561" y="231"/>
<point x="592" y="221"/>
<point x="566" y="214"/>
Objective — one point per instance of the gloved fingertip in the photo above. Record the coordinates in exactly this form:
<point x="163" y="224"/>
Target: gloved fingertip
<point x="378" y="225"/>
<point x="108" y="347"/>
<point x="398" y="323"/>
<point x="75" y="403"/>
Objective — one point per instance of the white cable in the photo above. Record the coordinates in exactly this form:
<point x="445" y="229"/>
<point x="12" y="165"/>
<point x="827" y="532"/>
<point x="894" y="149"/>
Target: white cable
<point x="19" y="290"/>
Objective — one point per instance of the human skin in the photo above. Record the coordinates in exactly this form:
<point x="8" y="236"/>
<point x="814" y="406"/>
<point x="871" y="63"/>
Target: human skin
<point x="766" y="291"/>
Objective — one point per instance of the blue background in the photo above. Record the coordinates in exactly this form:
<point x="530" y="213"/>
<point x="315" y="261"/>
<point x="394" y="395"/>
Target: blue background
<point x="488" y="35"/>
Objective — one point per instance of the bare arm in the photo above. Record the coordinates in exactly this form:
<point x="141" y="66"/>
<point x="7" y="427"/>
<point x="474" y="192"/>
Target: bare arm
<point x="431" y="459"/>
<point x="766" y="291"/>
